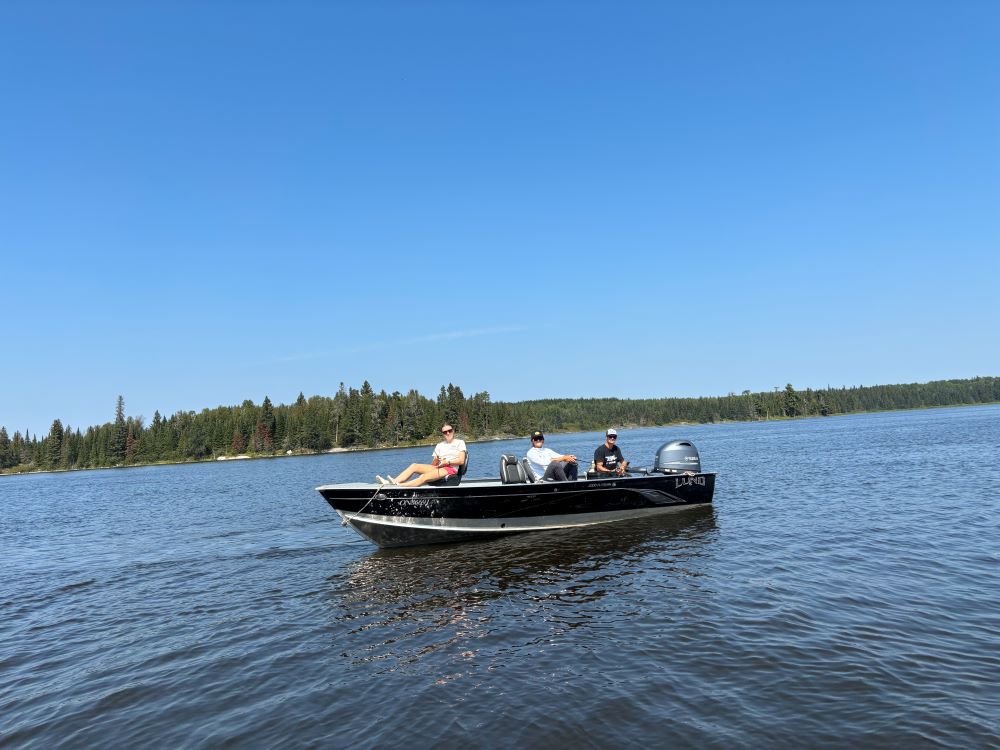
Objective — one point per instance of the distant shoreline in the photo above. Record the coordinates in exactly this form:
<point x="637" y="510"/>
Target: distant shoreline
<point x="490" y="439"/>
<point x="266" y="456"/>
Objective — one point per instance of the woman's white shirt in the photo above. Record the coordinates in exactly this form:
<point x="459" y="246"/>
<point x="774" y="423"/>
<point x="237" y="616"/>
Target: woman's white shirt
<point x="450" y="451"/>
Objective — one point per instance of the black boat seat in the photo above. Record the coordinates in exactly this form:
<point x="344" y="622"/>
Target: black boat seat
<point x="454" y="479"/>
<point x="511" y="471"/>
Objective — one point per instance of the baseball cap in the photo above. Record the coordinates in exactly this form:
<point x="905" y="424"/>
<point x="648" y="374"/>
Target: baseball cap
<point x="611" y="432"/>
<point x="537" y="434"/>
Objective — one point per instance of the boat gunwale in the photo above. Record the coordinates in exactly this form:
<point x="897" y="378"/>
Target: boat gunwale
<point x="480" y="482"/>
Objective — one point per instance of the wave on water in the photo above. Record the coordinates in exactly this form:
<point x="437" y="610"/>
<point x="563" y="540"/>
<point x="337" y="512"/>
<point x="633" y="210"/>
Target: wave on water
<point x="818" y="603"/>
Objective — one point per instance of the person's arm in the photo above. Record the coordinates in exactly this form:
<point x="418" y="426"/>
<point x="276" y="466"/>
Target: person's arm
<point x="459" y="460"/>
<point x="622" y="463"/>
<point x="570" y="459"/>
<point x="599" y="463"/>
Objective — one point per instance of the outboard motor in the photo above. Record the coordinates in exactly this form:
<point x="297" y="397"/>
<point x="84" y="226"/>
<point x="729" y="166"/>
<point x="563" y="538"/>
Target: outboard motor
<point x="676" y="457"/>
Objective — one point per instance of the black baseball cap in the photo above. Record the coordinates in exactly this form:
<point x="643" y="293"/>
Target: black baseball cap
<point x="537" y="434"/>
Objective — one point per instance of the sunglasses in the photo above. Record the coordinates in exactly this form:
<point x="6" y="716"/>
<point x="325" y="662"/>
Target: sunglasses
<point x="537" y="440"/>
<point x="612" y="437"/>
<point x="446" y="432"/>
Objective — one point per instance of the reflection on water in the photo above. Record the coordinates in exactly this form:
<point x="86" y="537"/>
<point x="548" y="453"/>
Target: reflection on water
<point x="413" y="601"/>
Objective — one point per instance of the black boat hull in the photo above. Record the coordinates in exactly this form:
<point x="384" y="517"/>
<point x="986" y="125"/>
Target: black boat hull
<point x="477" y="509"/>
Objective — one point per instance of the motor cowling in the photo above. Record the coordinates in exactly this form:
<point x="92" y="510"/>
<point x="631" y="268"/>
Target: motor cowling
<point x="676" y="457"/>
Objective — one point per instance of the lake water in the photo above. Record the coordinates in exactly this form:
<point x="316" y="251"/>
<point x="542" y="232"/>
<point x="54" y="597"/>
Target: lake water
<point x="842" y="592"/>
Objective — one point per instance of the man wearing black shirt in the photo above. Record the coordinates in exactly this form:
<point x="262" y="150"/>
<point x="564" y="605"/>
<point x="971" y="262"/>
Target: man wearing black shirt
<point x="608" y="457"/>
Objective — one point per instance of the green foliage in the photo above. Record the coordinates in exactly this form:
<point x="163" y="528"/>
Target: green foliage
<point x="121" y="431"/>
<point x="358" y="418"/>
<point x="6" y="450"/>
<point x="791" y="402"/>
<point x="53" y="449"/>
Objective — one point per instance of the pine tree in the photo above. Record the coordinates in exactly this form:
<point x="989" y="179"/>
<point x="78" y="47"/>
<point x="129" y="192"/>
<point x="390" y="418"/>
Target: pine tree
<point x="55" y="444"/>
<point x="6" y="457"/>
<point x="337" y="413"/>
<point x="83" y="458"/>
<point x="121" y="432"/>
<point x="131" y="443"/>
<point x="266" y="426"/>
<point x="17" y="449"/>
<point x="67" y="449"/>
<point x="791" y="401"/>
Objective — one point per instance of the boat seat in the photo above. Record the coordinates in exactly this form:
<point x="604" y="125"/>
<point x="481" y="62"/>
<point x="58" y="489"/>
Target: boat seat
<point x="511" y="471"/>
<point x="455" y="479"/>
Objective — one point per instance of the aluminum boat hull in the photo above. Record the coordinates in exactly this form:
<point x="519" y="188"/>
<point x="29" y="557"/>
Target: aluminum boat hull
<point x="393" y="516"/>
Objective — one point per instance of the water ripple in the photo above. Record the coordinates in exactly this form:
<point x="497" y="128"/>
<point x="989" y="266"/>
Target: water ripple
<point x="821" y="602"/>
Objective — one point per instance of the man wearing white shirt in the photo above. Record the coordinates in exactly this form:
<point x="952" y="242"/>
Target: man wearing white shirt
<point x="547" y="465"/>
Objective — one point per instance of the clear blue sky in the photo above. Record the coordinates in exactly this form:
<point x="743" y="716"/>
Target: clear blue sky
<point x="207" y="202"/>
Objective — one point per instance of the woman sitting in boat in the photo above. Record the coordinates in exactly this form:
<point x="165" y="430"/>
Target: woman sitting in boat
<point x="448" y="455"/>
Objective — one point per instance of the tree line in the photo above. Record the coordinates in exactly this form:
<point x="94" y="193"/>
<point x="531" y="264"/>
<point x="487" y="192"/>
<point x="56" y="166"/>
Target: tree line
<point x="362" y="418"/>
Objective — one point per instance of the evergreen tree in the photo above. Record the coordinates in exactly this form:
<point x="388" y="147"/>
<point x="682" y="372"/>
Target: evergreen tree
<point x="267" y="416"/>
<point x="453" y="408"/>
<point x="67" y="450"/>
<point x="131" y="443"/>
<point x="367" y="414"/>
<point x="791" y="401"/>
<point x="6" y="454"/>
<point x="55" y="441"/>
<point x="85" y="456"/>
<point x="121" y="431"/>
<point x="17" y="449"/>
<point x="337" y="413"/>
<point x="263" y="438"/>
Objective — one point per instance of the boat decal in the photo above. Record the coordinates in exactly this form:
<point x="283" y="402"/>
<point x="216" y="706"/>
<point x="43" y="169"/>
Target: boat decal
<point x="506" y="525"/>
<point x="685" y="481"/>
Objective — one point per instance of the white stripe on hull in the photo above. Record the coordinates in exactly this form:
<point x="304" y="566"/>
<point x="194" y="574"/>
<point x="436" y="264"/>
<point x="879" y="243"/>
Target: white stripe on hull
<point x="494" y="525"/>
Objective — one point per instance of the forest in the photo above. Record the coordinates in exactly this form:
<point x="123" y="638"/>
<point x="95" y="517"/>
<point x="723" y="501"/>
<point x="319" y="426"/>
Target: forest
<point x="356" y="418"/>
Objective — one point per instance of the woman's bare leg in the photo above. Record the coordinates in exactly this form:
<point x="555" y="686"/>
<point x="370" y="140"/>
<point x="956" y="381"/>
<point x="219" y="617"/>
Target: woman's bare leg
<point x="425" y="476"/>
<point x="413" y="469"/>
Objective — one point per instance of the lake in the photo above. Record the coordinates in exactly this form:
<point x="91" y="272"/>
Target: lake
<point x="843" y="591"/>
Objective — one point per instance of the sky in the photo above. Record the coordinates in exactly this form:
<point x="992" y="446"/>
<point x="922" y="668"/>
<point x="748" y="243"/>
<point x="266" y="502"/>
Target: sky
<point x="204" y="202"/>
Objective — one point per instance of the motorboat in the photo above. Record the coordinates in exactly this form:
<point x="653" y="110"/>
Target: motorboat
<point x="459" y="509"/>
